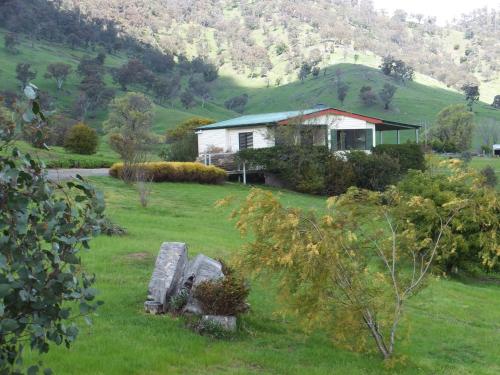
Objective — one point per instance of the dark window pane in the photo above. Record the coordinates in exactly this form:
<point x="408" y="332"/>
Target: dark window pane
<point x="245" y="140"/>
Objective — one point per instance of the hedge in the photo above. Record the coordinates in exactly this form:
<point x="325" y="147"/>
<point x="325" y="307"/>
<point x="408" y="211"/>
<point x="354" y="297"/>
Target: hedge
<point x="409" y="155"/>
<point x="176" y="172"/>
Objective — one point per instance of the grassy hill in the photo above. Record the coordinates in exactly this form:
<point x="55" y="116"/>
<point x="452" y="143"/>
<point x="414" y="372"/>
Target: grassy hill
<point x="416" y="102"/>
<point x="453" y="325"/>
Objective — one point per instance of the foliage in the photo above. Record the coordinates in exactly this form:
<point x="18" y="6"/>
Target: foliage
<point x="237" y="103"/>
<point x="342" y="89"/>
<point x="471" y="91"/>
<point x="81" y="139"/>
<point x="112" y="229"/>
<point x="11" y="42"/>
<point x="129" y="124"/>
<point x="59" y="72"/>
<point x="375" y="171"/>
<point x="24" y="74"/>
<point x="386" y="94"/>
<point x="409" y="155"/>
<point x="472" y="237"/>
<point x="41" y="276"/>
<point x="397" y="68"/>
<point x="187" y="99"/>
<point x="453" y="129"/>
<point x="338" y="271"/>
<point x="367" y="95"/>
<point x="176" y="172"/>
<point x="490" y="178"/>
<point x="182" y="140"/>
<point x="496" y="102"/>
<point x="225" y="296"/>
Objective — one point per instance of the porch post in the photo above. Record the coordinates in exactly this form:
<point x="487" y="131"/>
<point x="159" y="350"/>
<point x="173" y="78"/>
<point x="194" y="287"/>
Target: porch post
<point x="416" y="135"/>
<point x="381" y="137"/>
<point x="397" y="135"/>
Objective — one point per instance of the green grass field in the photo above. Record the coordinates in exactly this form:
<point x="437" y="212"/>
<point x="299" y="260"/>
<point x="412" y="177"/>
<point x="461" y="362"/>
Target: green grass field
<point x="454" y="327"/>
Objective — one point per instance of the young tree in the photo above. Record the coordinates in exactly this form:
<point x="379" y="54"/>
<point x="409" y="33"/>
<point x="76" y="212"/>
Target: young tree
<point x="386" y="94"/>
<point x="340" y="271"/>
<point x="59" y="72"/>
<point x="11" y="42"/>
<point x="471" y="91"/>
<point x="342" y="90"/>
<point x="453" y="129"/>
<point x="24" y="74"/>
<point x="182" y="140"/>
<point x="305" y="70"/>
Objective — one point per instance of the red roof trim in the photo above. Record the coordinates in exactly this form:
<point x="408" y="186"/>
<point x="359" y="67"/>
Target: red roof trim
<point x="333" y="111"/>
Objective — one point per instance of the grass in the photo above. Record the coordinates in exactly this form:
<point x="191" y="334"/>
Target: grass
<point x="454" y="326"/>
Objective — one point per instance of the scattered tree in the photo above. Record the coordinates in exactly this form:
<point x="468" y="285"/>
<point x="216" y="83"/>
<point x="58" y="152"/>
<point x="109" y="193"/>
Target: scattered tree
<point x="59" y="72"/>
<point x="237" y="103"/>
<point x="24" y="74"/>
<point x="342" y="90"/>
<point x="496" y="102"/>
<point x="386" y="94"/>
<point x="471" y="91"/>
<point x="305" y="70"/>
<point x="11" y="42"/>
<point x="391" y="66"/>
<point x="367" y="96"/>
<point x="187" y="99"/>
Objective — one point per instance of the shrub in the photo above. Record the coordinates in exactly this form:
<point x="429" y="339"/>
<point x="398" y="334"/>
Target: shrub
<point x="490" y="178"/>
<point x="81" y="139"/>
<point x="59" y="128"/>
<point x="409" y="155"/>
<point x="176" y="172"/>
<point x="111" y="229"/>
<point x="224" y="296"/>
<point x="374" y="172"/>
<point x="340" y="176"/>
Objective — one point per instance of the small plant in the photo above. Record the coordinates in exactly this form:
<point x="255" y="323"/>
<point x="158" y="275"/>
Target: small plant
<point x="111" y="229"/>
<point x="178" y="301"/>
<point x="225" y="296"/>
<point x="81" y="139"/>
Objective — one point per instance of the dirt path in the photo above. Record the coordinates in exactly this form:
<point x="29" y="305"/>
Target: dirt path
<point x="67" y="174"/>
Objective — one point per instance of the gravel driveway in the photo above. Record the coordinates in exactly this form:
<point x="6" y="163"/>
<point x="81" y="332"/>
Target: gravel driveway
<point x="67" y="174"/>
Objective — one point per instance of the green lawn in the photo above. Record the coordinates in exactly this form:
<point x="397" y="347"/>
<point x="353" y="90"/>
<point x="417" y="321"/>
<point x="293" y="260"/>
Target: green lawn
<point x="454" y="326"/>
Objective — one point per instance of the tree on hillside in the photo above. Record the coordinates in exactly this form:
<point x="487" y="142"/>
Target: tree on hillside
<point x="93" y="95"/>
<point x="489" y="131"/>
<point x="237" y="103"/>
<point x="187" y="99"/>
<point x="59" y="72"/>
<point x="342" y="89"/>
<point x="11" y="42"/>
<point x="367" y="95"/>
<point x="453" y="129"/>
<point x="24" y="74"/>
<point x="305" y="70"/>
<point x="496" y="102"/>
<point x="391" y="66"/>
<point x="471" y="91"/>
<point x="386" y="94"/>
<point x="199" y="87"/>
<point x="165" y="89"/>
<point x="129" y="73"/>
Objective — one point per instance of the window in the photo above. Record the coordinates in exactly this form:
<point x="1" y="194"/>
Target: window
<point x="352" y="139"/>
<point x="245" y="140"/>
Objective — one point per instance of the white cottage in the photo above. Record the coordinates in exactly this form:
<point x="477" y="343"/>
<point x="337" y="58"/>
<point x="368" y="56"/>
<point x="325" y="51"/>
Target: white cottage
<point x="338" y="130"/>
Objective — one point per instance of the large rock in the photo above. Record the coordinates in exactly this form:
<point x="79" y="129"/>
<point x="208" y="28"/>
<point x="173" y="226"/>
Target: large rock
<point x="201" y="268"/>
<point x="168" y="272"/>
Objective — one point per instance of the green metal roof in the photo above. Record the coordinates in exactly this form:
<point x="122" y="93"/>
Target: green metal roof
<point x="262" y="118"/>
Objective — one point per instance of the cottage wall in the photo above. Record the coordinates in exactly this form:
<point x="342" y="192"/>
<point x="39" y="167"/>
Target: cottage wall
<point x="228" y="139"/>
